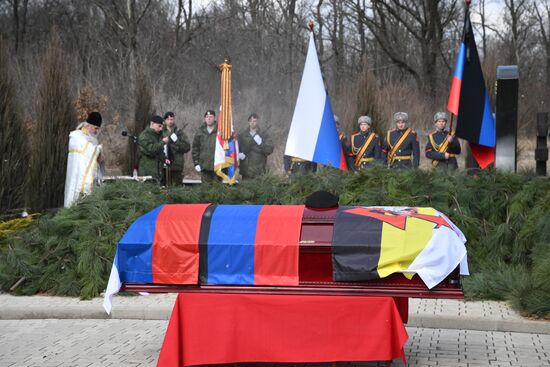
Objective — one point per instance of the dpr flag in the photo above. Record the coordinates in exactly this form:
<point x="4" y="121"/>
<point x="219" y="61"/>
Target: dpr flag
<point x="223" y="244"/>
<point x="469" y="101"/>
<point x="313" y="135"/>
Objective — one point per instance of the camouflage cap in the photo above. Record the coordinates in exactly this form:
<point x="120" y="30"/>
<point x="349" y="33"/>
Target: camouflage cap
<point x="440" y="116"/>
<point x="364" y="120"/>
<point x="400" y="116"/>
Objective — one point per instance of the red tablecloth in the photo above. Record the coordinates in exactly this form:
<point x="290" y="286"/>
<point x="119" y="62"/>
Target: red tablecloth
<point x="207" y="328"/>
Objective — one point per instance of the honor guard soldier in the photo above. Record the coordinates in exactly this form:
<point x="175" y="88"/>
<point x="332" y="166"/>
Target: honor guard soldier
<point x="442" y="147"/>
<point x="401" y="145"/>
<point x="365" y="145"/>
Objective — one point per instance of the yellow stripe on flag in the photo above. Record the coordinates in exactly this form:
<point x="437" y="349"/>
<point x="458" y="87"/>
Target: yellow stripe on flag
<point x="398" y="248"/>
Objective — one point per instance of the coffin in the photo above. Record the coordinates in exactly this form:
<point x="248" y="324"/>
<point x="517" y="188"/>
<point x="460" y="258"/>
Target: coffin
<point x="316" y="272"/>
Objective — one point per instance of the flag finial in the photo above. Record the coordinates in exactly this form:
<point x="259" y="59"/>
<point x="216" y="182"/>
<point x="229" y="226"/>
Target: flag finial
<point x="310" y="25"/>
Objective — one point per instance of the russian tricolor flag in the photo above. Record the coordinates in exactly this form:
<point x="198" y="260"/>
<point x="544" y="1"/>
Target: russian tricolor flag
<point x="218" y="244"/>
<point x="469" y="100"/>
<point x="313" y="135"/>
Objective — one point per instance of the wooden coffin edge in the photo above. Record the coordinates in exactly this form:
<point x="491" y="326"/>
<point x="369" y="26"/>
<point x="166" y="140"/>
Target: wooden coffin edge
<point x="328" y="289"/>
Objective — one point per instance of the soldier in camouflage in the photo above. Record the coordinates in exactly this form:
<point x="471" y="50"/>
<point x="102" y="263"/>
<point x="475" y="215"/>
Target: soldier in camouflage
<point x="178" y="144"/>
<point x="204" y="147"/>
<point x="255" y="146"/>
<point x="151" y="149"/>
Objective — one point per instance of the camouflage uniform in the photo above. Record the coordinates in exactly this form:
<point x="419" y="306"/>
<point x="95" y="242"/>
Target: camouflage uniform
<point x="151" y="153"/>
<point x="256" y="154"/>
<point x="177" y="149"/>
<point x="204" y="146"/>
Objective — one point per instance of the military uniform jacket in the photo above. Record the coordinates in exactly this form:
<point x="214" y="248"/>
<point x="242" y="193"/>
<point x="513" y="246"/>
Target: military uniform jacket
<point x="344" y="142"/>
<point x="408" y="154"/>
<point x="204" y="146"/>
<point x="256" y="155"/>
<point x="151" y="153"/>
<point x="373" y="150"/>
<point x="438" y="158"/>
<point x="177" y="148"/>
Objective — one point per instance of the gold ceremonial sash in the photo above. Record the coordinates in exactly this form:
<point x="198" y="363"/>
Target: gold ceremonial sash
<point x="363" y="149"/>
<point x="391" y="154"/>
<point x="439" y="148"/>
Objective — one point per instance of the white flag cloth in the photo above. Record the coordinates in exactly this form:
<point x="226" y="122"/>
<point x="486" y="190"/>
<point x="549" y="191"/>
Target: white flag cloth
<point x="313" y="135"/>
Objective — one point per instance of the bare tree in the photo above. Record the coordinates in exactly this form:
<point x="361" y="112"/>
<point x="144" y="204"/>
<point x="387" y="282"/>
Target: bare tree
<point x="542" y="13"/>
<point x="401" y="26"/>
<point x="184" y="29"/>
<point x="124" y="17"/>
<point x="19" y="26"/>
<point x="519" y="25"/>
<point x="14" y="147"/>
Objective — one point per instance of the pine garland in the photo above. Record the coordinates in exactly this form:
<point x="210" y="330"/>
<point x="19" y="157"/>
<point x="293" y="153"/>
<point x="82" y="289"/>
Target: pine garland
<point x="506" y="218"/>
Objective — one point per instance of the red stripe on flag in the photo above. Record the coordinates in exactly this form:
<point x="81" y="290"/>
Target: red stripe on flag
<point x="454" y="96"/>
<point x="343" y="163"/>
<point x="276" y="245"/>
<point x="483" y="155"/>
<point x="175" y="258"/>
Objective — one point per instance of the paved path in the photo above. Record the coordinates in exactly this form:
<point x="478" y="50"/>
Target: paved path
<point x="95" y="342"/>
<point x="62" y="331"/>
<point x="427" y="313"/>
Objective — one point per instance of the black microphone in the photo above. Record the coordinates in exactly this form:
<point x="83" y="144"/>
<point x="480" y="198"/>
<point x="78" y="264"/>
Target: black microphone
<point x="133" y="137"/>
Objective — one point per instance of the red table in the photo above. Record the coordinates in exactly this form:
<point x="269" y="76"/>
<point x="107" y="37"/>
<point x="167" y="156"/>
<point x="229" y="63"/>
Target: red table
<point x="213" y="328"/>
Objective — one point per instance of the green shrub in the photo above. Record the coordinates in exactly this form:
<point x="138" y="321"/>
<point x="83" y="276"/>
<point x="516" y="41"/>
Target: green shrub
<point x="505" y="217"/>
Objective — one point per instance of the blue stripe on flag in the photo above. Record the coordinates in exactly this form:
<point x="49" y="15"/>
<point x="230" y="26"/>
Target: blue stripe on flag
<point x="487" y="134"/>
<point x="459" y="67"/>
<point x="135" y="249"/>
<point x="230" y="152"/>
<point x="328" y="148"/>
<point x="231" y="244"/>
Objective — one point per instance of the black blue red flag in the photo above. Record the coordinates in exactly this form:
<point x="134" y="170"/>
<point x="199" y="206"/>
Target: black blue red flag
<point x="469" y="100"/>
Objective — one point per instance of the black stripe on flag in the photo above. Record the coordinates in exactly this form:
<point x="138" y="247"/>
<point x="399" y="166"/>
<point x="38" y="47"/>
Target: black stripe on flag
<point x="356" y="243"/>
<point x="203" y="243"/>
<point x="472" y="92"/>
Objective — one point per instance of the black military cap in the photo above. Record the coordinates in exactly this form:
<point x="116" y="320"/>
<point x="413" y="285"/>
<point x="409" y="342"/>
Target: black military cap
<point x="210" y="113"/>
<point x="157" y="119"/>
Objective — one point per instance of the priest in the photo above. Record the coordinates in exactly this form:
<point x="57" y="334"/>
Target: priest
<point x="84" y="159"/>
